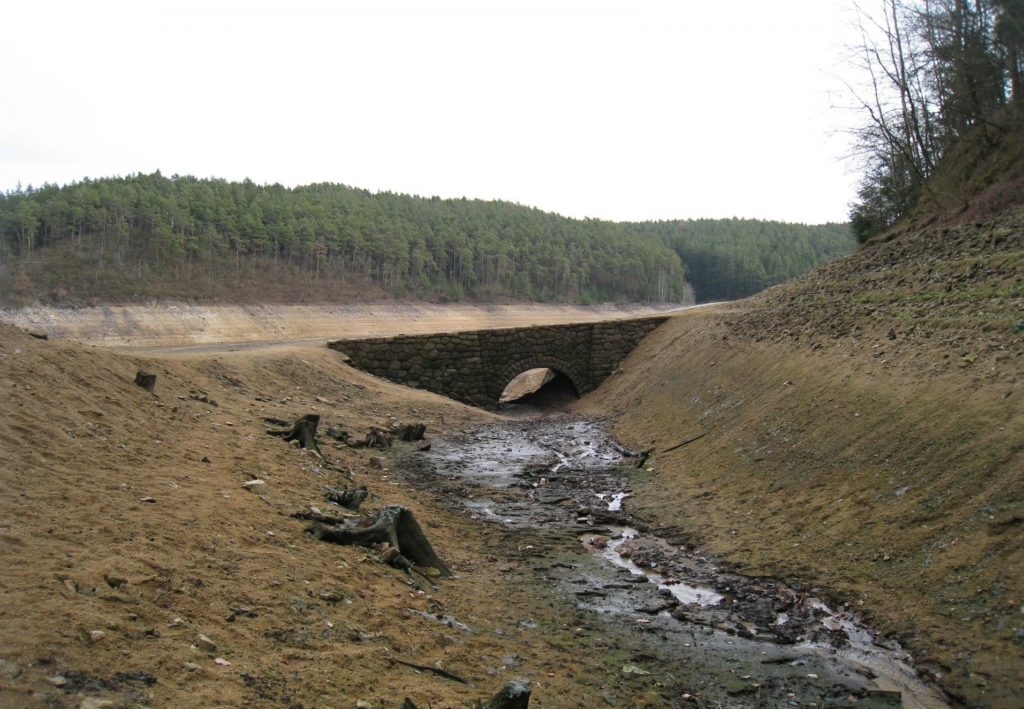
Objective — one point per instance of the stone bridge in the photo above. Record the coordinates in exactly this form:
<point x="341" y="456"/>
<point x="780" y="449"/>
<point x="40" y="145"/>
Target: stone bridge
<point x="475" y="366"/>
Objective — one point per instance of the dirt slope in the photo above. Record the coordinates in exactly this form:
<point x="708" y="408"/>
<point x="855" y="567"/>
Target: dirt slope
<point x="126" y="534"/>
<point x="865" y="435"/>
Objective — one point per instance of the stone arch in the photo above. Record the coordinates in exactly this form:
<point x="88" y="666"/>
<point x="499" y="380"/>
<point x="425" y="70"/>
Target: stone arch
<point x="510" y="371"/>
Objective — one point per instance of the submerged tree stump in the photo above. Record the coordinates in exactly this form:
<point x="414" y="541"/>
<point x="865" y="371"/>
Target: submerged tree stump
<point x="303" y="431"/>
<point x="393" y="524"/>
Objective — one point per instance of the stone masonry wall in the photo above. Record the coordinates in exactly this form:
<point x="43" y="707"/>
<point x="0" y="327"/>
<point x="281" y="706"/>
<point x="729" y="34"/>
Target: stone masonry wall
<point x="475" y="366"/>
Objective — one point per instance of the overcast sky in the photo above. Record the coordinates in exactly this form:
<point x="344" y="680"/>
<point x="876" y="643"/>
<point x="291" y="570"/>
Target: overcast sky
<point x="623" y="110"/>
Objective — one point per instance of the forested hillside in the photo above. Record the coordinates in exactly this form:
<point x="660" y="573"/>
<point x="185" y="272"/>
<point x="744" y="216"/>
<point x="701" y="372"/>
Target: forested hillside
<point x="149" y="236"/>
<point x="943" y="85"/>
<point x="733" y="258"/>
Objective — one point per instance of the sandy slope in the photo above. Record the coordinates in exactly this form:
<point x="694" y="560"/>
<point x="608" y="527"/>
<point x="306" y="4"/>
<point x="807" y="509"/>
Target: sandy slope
<point x="125" y="533"/>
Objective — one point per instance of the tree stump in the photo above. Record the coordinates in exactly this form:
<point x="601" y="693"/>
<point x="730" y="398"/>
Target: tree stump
<point x="514" y="695"/>
<point x="303" y="431"/>
<point x="146" y="380"/>
<point x="411" y="432"/>
<point x="393" y="524"/>
<point x="349" y="499"/>
<point x="379" y="438"/>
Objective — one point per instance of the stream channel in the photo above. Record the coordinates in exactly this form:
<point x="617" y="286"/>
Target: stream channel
<point x="737" y="640"/>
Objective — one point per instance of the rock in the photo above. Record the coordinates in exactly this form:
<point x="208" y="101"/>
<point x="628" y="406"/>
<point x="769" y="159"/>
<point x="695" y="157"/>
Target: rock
<point x="331" y="595"/>
<point x="9" y="670"/>
<point x="361" y="704"/>
<point x="96" y="703"/>
<point x="151" y="500"/>
<point x="338" y="434"/>
<point x="114" y="581"/>
<point x="221" y="661"/>
<point x="633" y="670"/>
<point x="58" y="680"/>
<point x="200" y="395"/>
<point x="250" y="484"/>
<point x="191" y="666"/>
<point x="514" y="695"/>
<point x="176" y="623"/>
<point x="96" y="635"/>
<point x="205" y="459"/>
<point x="205" y="644"/>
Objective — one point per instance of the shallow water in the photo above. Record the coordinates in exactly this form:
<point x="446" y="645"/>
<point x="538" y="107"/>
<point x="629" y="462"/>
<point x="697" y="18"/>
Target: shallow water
<point x="760" y="643"/>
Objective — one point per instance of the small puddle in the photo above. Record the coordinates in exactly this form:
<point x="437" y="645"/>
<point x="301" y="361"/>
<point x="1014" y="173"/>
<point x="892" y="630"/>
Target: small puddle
<point x="761" y="643"/>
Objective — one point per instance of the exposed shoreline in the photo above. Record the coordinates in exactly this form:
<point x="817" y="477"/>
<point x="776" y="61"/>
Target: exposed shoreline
<point x="138" y="327"/>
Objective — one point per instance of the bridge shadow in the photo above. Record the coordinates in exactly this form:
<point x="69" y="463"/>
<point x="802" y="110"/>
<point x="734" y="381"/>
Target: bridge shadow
<point x="537" y="392"/>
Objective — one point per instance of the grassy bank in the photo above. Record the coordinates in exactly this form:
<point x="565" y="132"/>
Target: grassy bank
<point x="868" y="451"/>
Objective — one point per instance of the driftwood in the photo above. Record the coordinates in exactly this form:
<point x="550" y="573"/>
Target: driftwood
<point x="514" y="695"/>
<point x="686" y="442"/>
<point x="303" y="431"/>
<point x="146" y="380"/>
<point x="641" y="456"/>
<point x="349" y="499"/>
<point x="430" y="668"/>
<point x="393" y="524"/>
<point x="320" y="517"/>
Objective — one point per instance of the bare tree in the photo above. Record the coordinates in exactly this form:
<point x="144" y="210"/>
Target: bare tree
<point x="935" y="69"/>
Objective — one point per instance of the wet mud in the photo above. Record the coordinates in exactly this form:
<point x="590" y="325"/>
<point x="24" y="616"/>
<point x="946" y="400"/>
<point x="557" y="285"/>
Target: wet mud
<point x="694" y="631"/>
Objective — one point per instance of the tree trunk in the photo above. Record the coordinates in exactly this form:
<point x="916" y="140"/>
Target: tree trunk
<point x="303" y="431"/>
<point x="393" y="524"/>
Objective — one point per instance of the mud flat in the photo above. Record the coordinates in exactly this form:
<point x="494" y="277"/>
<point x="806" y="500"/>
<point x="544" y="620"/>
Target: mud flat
<point x="561" y="485"/>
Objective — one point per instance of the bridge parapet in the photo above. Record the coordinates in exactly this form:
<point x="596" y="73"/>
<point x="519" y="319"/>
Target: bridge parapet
<point x="475" y="366"/>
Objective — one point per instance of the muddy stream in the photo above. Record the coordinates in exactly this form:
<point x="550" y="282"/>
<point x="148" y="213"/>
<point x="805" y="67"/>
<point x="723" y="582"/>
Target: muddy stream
<point x="734" y="640"/>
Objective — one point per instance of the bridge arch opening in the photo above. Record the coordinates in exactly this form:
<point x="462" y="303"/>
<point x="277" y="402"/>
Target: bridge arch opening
<point x="542" y="387"/>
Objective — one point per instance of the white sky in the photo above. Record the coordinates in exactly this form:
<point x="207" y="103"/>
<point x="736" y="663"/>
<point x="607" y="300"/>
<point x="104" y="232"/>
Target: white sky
<point x="624" y="110"/>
